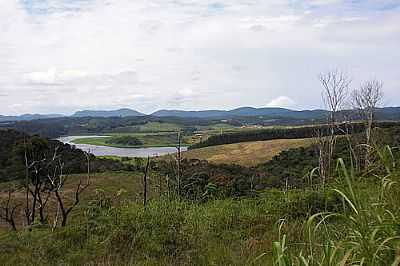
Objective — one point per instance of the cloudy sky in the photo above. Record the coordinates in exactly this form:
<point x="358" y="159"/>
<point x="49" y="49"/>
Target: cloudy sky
<point x="58" y="56"/>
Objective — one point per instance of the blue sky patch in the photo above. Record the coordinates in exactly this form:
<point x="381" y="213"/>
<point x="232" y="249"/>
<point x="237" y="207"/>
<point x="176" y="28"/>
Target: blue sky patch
<point x="216" y="7"/>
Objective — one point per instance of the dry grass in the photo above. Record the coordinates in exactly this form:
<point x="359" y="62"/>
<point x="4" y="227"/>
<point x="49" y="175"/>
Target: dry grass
<point x="246" y="153"/>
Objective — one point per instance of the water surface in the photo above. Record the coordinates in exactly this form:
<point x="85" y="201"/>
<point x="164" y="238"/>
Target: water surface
<point x="121" y="152"/>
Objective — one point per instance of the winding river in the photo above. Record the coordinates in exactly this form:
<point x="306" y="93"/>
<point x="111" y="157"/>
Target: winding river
<point x="121" y="152"/>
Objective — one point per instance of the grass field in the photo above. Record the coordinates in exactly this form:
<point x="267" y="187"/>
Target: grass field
<point x="246" y="153"/>
<point x="117" y="186"/>
<point x="244" y="231"/>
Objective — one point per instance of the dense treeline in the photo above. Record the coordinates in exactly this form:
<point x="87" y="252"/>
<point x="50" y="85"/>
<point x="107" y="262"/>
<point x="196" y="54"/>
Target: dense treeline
<point x="284" y="133"/>
<point x="15" y="144"/>
<point x="56" y="127"/>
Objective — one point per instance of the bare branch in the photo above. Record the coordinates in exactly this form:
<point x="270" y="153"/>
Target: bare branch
<point x="366" y="100"/>
<point x="7" y="212"/>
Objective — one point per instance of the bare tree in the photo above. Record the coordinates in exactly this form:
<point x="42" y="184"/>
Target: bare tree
<point x="322" y="142"/>
<point x="34" y="184"/>
<point x="366" y="99"/>
<point x="146" y="170"/>
<point x="335" y="89"/>
<point x="168" y="187"/>
<point x="178" y="163"/>
<point x="7" y="212"/>
<point x="57" y="180"/>
<point x="44" y="178"/>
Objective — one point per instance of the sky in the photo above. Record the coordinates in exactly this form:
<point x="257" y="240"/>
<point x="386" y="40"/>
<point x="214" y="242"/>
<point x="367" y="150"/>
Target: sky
<point x="60" y="56"/>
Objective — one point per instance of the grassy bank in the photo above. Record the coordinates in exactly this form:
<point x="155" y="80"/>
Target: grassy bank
<point x="246" y="153"/>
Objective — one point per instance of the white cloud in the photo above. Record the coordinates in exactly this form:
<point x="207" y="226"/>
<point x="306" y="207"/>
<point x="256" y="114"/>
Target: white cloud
<point x="282" y="101"/>
<point x="52" y="76"/>
<point x="61" y="55"/>
<point x="325" y="2"/>
<point x="47" y="77"/>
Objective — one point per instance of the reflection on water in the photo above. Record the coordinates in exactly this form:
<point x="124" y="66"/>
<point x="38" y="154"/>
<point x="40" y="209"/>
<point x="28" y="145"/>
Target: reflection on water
<point x="121" y="152"/>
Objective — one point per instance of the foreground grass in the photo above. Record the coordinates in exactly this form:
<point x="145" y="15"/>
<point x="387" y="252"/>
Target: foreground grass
<point x="221" y="232"/>
<point x="110" y="229"/>
<point x="355" y="220"/>
<point x="246" y="153"/>
<point x="127" y="185"/>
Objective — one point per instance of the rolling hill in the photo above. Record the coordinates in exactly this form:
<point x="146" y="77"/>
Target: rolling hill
<point x="125" y="112"/>
<point x="27" y="117"/>
<point x="244" y="112"/>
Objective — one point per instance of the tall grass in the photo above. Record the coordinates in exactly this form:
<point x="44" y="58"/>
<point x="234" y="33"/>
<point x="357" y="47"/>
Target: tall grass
<point x="366" y="231"/>
<point x="354" y="222"/>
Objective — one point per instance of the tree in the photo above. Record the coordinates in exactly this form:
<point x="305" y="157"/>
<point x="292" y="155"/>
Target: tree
<point x="335" y="89"/>
<point x="178" y="159"/>
<point x="45" y="177"/>
<point x="7" y="212"/>
<point x="56" y="181"/>
<point x="35" y="158"/>
<point x="366" y="99"/>
<point x="145" y="178"/>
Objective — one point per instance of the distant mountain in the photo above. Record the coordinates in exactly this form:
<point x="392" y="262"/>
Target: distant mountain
<point x="388" y="113"/>
<point x="188" y="114"/>
<point x="244" y="112"/>
<point x="267" y="113"/>
<point x="125" y="112"/>
<point x="27" y="117"/>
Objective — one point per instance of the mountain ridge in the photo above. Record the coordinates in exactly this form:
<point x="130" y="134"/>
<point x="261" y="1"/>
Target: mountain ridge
<point x="268" y="112"/>
<point x="122" y="112"/>
<point x="28" y="117"/>
<point x="242" y="111"/>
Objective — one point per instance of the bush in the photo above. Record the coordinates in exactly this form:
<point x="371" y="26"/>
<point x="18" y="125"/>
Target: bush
<point x="309" y="203"/>
<point x="125" y="141"/>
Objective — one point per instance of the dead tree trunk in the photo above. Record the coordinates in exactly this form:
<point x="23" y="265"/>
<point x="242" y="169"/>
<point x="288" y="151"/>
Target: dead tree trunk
<point x="57" y="182"/>
<point x="27" y="208"/>
<point x="335" y="87"/>
<point x="145" y="181"/>
<point x="7" y="212"/>
<point x="178" y="164"/>
<point x="168" y="188"/>
<point x="160" y="188"/>
<point x="366" y="99"/>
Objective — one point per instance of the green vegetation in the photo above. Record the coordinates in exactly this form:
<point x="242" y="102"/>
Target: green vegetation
<point x="160" y="127"/>
<point x="354" y="220"/>
<point x="14" y="145"/>
<point x="369" y="224"/>
<point x="281" y="133"/>
<point x="129" y="141"/>
<point x="277" y="212"/>
<point x="72" y="126"/>
<point x="246" y="154"/>
<point x="165" y="233"/>
<point x="135" y="140"/>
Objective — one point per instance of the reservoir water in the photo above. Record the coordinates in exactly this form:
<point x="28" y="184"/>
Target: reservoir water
<point x="121" y="152"/>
